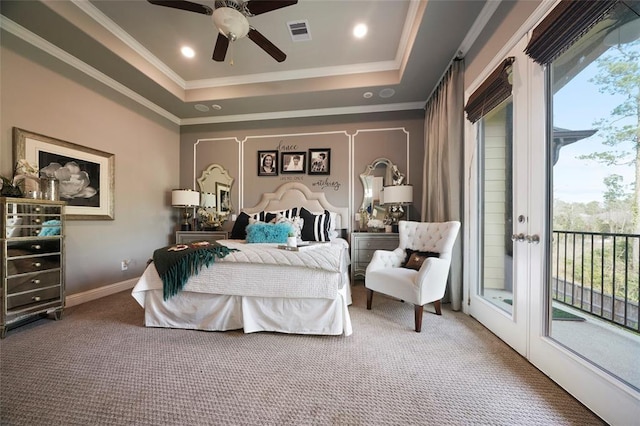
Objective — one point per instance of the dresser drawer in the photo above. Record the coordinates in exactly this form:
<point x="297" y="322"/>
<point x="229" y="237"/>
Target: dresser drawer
<point x="33" y="247"/>
<point x="364" y="256"/>
<point x="28" y="282"/>
<point x="38" y="297"/>
<point x="376" y="244"/>
<point x="32" y="264"/>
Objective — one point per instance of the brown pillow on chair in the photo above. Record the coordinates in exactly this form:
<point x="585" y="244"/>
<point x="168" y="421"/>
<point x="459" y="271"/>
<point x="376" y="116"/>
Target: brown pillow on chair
<point x="416" y="258"/>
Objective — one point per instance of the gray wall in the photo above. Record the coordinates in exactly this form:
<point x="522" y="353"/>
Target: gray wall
<point x="43" y="95"/>
<point x="355" y="141"/>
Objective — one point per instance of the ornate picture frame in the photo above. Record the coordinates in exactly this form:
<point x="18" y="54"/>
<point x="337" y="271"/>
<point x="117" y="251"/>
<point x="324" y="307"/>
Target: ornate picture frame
<point x="86" y="176"/>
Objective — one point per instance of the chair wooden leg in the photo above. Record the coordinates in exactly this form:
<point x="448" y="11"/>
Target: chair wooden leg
<point x="369" y="298"/>
<point x="437" y="305"/>
<point x="418" y="311"/>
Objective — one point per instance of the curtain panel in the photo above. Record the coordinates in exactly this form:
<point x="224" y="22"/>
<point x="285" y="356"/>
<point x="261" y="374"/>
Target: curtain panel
<point x="491" y="93"/>
<point x="563" y="26"/>
<point x="442" y="192"/>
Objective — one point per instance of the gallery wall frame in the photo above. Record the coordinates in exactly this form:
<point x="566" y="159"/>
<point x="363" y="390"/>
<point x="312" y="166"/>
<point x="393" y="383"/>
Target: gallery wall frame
<point x="267" y="163"/>
<point x="86" y="175"/>
<point x="319" y="161"/>
<point x="293" y="162"/>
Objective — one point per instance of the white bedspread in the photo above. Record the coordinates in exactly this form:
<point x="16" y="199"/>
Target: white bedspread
<point x="264" y="270"/>
<point x="324" y="256"/>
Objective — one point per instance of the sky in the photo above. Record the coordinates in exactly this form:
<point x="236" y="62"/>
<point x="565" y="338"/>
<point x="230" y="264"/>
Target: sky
<point x="576" y="107"/>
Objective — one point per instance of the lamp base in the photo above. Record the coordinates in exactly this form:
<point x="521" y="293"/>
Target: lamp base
<point x="185" y="227"/>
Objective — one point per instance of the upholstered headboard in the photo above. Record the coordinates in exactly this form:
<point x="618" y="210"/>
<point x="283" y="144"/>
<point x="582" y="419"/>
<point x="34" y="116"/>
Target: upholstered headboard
<point x="295" y="194"/>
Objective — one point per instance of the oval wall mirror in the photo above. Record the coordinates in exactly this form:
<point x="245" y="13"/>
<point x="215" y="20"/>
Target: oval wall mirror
<point x="375" y="176"/>
<point x="216" y="183"/>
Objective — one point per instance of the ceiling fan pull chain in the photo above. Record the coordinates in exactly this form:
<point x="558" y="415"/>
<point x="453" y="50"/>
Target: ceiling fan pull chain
<point x="231" y="50"/>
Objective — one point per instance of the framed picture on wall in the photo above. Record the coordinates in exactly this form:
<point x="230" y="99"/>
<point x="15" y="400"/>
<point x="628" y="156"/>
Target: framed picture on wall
<point x="267" y="163"/>
<point x="85" y="175"/>
<point x="293" y="162"/>
<point x="320" y="161"/>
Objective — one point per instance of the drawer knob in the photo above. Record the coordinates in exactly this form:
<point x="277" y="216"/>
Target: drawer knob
<point x="35" y="281"/>
<point x="37" y="264"/>
<point x="36" y="298"/>
<point x="37" y="220"/>
<point x="36" y="246"/>
<point x="37" y="209"/>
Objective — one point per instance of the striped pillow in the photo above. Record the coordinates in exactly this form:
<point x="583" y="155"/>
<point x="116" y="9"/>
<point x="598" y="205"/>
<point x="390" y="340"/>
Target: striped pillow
<point x="316" y="226"/>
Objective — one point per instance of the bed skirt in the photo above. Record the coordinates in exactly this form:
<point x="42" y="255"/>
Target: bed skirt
<point x="212" y="312"/>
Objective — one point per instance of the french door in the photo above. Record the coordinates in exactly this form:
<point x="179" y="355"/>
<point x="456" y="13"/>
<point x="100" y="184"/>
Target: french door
<point x="501" y="238"/>
<point x="509" y="157"/>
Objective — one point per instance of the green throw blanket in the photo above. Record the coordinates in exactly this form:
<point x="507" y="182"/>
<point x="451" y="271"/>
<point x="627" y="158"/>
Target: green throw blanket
<point x="175" y="264"/>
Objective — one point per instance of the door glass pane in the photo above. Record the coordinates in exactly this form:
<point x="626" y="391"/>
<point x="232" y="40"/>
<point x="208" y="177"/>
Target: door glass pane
<point x="594" y="259"/>
<point x="496" y="137"/>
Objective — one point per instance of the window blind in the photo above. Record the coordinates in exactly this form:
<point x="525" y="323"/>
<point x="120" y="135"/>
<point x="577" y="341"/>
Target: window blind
<point x="493" y="91"/>
<point x="563" y="26"/>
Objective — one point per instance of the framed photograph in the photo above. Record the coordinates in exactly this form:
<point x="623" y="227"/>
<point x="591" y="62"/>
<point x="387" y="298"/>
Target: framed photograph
<point x="319" y="161"/>
<point x="223" y="195"/>
<point x="293" y="162"/>
<point x="267" y="163"/>
<point x="86" y="175"/>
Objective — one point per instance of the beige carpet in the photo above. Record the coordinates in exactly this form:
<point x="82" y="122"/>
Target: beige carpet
<point x="100" y="366"/>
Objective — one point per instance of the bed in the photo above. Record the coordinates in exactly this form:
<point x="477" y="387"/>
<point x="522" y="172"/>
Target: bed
<point x="262" y="287"/>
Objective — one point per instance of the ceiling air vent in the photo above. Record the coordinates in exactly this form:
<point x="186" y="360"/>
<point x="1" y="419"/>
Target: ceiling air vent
<point x="299" y="30"/>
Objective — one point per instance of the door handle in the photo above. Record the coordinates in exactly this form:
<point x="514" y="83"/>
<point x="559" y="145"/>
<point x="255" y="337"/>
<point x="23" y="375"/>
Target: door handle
<point x="533" y="239"/>
<point x="518" y="237"/>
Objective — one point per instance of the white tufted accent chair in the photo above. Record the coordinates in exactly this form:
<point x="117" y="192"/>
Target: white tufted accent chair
<point x="386" y="275"/>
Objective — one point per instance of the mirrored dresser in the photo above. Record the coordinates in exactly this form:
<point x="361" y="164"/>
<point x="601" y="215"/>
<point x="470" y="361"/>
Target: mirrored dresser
<point x="364" y="244"/>
<point x="32" y="259"/>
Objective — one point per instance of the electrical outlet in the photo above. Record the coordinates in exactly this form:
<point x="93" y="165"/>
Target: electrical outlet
<point x="124" y="265"/>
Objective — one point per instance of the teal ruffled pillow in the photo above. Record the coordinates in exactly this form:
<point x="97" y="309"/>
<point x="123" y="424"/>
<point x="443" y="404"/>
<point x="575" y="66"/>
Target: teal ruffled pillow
<point x="261" y="232"/>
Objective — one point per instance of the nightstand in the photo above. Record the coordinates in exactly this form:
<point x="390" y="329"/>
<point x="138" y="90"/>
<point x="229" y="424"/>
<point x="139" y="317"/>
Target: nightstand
<point x="363" y="244"/>
<point x="185" y="237"/>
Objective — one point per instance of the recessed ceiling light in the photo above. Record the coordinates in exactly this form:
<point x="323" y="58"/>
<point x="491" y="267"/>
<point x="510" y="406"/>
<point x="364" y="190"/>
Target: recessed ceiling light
<point x="201" y="107"/>
<point x="216" y="107"/>
<point x="187" y="52"/>
<point x="367" y="95"/>
<point x="387" y="93"/>
<point x="360" y="30"/>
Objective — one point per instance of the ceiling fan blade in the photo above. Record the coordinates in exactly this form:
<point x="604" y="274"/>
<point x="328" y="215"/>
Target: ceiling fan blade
<point x="266" y="45"/>
<point x="256" y="7"/>
<point x="220" y="50"/>
<point x="184" y="5"/>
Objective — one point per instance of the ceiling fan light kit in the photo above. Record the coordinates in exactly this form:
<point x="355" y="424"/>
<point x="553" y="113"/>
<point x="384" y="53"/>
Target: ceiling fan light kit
<point x="231" y="23"/>
<point x="230" y="18"/>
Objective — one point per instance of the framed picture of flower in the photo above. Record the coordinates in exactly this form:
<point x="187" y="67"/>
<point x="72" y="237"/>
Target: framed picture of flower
<point x="85" y="175"/>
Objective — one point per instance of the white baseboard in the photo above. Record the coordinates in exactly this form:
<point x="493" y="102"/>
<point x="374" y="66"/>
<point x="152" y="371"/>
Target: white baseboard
<point x="97" y="293"/>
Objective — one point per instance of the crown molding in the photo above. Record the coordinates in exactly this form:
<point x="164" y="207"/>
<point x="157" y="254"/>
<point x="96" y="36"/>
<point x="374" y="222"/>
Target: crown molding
<point x="304" y="113"/>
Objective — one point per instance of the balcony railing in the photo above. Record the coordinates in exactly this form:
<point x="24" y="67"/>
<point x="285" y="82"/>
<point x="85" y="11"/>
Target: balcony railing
<point x="598" y="273"/>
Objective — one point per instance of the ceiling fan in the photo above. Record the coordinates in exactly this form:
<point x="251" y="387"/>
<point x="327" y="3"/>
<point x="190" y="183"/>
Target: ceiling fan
<point x="230" y="18"/>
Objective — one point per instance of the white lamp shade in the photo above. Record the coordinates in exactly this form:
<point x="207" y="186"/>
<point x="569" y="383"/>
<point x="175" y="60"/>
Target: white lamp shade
<point x="398" y="194"/>
<point x="185" y="198"/>
<point x="207" y="199"/>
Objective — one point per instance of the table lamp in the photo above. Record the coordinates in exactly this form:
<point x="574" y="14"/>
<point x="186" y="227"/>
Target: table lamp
<point x="186" y="199"/>
<point x="395" y="198"/>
